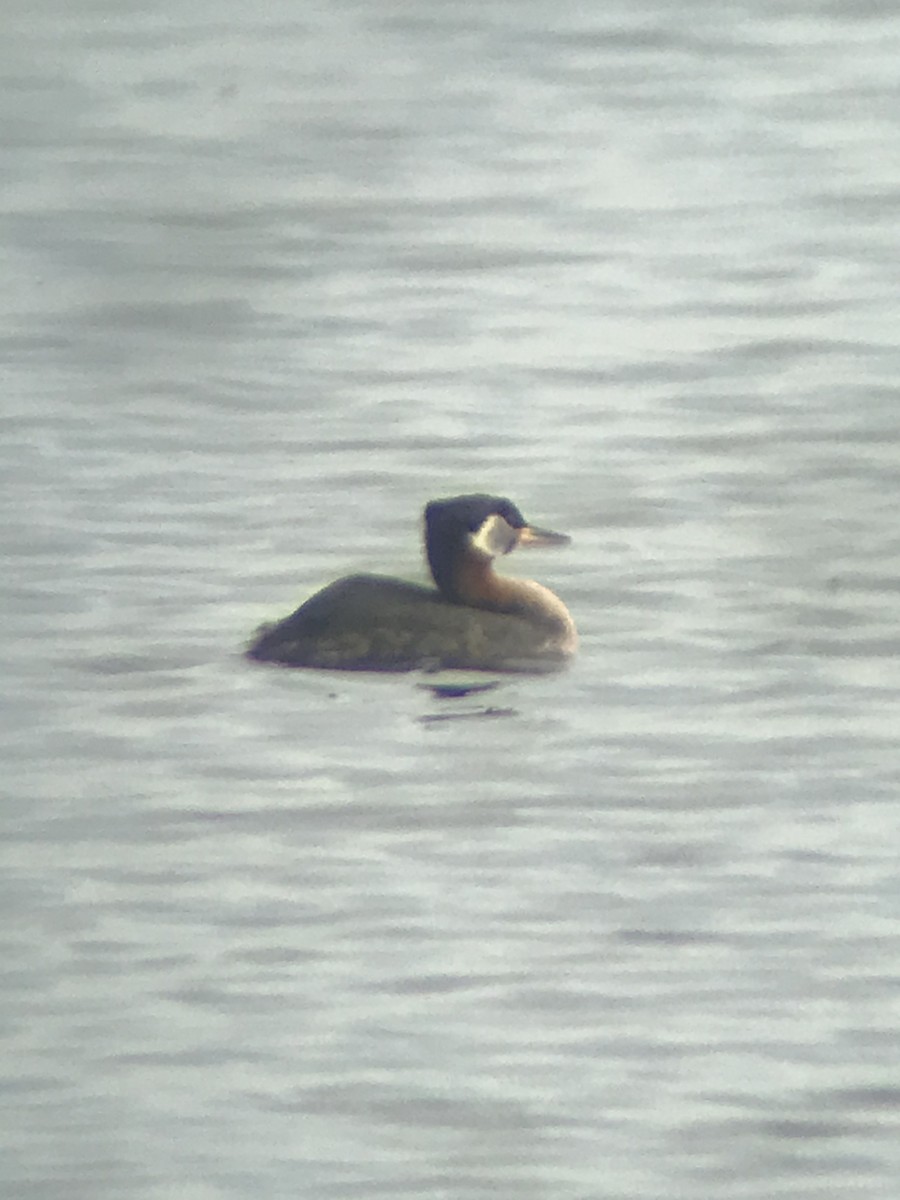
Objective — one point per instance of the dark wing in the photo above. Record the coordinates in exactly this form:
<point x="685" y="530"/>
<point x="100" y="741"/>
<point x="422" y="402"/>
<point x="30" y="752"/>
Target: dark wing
<point x="373" y="623"/>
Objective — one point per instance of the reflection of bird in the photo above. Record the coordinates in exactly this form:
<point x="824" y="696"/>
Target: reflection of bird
<point x="475" y="620"/>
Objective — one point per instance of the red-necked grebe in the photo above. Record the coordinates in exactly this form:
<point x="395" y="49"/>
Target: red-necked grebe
<point x="474" y="620"/>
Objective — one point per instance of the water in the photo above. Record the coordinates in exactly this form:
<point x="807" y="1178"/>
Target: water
<point x="271" y="280"/>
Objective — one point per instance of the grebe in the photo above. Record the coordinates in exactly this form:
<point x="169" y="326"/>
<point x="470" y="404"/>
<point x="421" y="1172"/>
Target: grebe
<point x="474" y="620"/>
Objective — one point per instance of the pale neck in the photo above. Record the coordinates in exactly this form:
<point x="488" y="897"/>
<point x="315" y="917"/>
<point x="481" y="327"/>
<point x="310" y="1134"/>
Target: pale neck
<point x="478" y="585"/>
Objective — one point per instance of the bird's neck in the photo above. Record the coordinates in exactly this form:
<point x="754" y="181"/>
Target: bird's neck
<point x="477" y="584"/>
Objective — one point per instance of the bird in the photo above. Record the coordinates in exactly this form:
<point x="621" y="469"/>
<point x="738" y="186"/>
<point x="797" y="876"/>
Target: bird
<point x="471" y="620"/>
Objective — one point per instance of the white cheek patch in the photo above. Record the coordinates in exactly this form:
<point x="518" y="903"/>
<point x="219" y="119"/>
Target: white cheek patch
<point x="494" y="537"/>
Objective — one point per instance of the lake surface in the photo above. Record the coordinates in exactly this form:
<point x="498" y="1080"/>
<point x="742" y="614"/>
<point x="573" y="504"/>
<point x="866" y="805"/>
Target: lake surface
<point x="273" y="278"/>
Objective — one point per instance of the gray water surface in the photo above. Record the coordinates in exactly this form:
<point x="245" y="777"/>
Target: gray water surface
<point x="273" y="277"/>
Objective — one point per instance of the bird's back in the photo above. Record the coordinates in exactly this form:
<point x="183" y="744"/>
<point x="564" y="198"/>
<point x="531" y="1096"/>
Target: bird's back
<point x="374" y="623"/>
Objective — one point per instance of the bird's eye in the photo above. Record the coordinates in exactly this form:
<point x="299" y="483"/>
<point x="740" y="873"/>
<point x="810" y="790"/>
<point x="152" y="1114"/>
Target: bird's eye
<point x="511" y="515"/>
